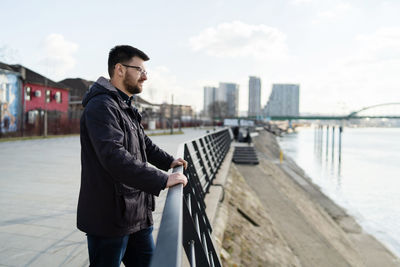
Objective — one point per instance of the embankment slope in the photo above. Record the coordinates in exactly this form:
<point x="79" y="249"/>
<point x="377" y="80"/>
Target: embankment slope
<point x="272" y="215"/>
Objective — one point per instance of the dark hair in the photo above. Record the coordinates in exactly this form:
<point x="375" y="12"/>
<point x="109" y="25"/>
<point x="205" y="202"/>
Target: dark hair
<point x="122" y="54"/>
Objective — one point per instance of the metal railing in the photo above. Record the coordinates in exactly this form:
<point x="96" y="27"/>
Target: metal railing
<point x="184" y="221"/>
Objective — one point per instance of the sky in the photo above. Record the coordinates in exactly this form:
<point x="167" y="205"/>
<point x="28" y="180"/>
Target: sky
<point x="345" y="55"/>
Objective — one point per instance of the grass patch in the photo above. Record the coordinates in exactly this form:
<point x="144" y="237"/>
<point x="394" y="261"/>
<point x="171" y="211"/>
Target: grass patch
<point x="23" y="138"/>
<point x="164" y="133"/>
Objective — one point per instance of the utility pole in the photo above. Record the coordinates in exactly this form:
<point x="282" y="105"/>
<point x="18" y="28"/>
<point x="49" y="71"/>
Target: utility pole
<point x="162" y="114"/>
<point x="172" y="114"/>
<point x="213" y="119"/>
<point x="1" y="117"/>
<point x="45" y="107"/>
<point x="180" y="118"/>
<point x="24" y="92"/>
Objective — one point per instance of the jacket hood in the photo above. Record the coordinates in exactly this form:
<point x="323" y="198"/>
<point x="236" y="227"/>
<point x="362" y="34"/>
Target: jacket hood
<point x="101" y="86"/>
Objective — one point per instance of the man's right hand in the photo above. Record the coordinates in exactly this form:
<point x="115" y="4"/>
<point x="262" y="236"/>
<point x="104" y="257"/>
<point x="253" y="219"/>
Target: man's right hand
<point x="176" y="178"/>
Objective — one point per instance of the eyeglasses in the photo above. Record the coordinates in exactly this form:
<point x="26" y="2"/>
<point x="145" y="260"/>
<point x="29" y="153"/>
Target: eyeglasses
<point x="142" y="71"/>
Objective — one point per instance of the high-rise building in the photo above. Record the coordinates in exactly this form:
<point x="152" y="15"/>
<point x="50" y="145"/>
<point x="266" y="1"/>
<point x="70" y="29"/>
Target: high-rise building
<point x="283" y="101"/>
<point x="229" y="93"/>
<point x="209" y="98"/>
<point x="254" y="96"/>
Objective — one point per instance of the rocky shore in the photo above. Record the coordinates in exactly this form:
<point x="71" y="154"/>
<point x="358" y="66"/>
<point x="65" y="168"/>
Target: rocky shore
<point x="273" y="215"/>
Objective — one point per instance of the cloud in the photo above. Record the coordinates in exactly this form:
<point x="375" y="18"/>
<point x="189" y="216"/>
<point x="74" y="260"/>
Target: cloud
<point x="58" y="55"/>
<point x="161" y="85"/>
<point x="376" y="63"/>
<point x="367" y="77"/>
<point x="382" y="45"/>
<point x="333" y="14"/>
<point x="237" y="39"/>
<point x="9" y="55"/>
<point x="299" y="2"/>
<point x="157" y="87"/>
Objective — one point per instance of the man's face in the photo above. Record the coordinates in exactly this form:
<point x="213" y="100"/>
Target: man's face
<point x="134" y="77"/>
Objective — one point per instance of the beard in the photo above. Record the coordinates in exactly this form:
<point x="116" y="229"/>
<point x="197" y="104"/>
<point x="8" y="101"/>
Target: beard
<point x="132" y="86"/>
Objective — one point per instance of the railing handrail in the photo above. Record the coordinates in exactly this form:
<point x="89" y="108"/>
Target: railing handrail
<point x="197" y="138"/>
<point x="170" y="231"/>
<point x="184" y="218"/>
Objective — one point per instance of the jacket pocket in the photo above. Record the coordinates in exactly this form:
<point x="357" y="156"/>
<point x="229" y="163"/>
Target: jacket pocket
<point x="131" y="138"/>
<point x="130" y="206"/>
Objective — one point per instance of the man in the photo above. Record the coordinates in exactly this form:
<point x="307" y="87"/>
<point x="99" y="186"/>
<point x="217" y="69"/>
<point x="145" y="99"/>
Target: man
<point x="117" y="192"/>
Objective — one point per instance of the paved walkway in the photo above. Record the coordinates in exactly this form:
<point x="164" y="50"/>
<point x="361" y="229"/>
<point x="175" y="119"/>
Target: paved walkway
<point x="39" y="186"/>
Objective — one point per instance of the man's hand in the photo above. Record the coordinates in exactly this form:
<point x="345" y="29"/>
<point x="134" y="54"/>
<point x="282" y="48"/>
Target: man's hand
<point x="179" y="162"/>
<point x="176" y="178"/>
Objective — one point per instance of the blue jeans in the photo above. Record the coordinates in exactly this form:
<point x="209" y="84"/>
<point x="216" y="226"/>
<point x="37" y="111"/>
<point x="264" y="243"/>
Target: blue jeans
<point x="133" y="250"/>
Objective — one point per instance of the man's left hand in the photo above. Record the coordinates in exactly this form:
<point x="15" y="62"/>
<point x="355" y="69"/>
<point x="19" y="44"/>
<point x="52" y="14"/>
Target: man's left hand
<point x="179" y="162"/>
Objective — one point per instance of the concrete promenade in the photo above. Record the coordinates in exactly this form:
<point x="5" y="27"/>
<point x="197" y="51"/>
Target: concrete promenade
<point x="39" y="186"/>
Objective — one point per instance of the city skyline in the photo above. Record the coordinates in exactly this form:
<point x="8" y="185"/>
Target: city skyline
<point x="209" y="98"/>
<point x="229" y="93"/>
<point x="225" y="96"/>
<point x="254" y="108"/>
<point x="345" y="54"/>
<point x="283" y="101"/>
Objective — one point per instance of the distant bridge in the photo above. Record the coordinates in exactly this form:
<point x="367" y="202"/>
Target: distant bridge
<point x="352" y="115"/>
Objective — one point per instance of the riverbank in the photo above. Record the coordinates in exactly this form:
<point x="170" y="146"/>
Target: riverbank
<point x="272" y="215"/>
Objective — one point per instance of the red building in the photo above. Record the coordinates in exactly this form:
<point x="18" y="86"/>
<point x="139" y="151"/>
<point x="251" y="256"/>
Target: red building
<point x="41" y="93"/>
<point x="45" y="97"/>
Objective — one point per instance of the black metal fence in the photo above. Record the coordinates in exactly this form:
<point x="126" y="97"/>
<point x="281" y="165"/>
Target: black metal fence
<point x="38" y="122"/>
<point x="184" y="221"/>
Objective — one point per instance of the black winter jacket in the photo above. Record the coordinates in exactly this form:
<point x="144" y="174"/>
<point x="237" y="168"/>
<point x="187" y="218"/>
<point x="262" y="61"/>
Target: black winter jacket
<point x="117" y="186"/>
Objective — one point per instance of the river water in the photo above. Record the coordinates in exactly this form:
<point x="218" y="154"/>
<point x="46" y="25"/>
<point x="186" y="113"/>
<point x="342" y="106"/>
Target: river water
<point x="363" y="176"/>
